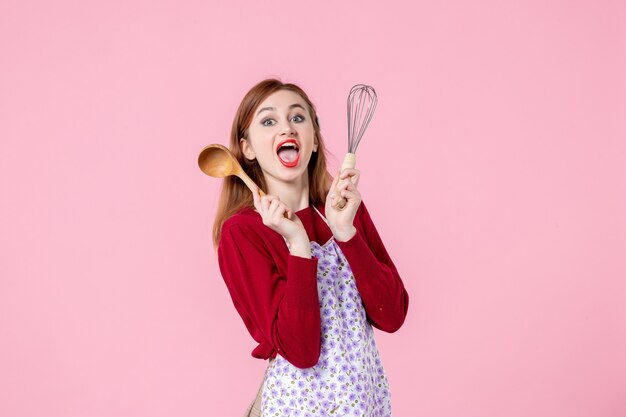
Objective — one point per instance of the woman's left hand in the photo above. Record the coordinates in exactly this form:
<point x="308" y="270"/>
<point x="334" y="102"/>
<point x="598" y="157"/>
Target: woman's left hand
<point x="341" y="221"/>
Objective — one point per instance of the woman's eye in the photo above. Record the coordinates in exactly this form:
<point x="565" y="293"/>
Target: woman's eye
<point x="297" y="118"/>
<point x="267" y="122"/>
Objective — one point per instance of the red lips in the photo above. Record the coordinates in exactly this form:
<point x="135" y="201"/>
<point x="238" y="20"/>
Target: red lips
<point x="288" y="151"/>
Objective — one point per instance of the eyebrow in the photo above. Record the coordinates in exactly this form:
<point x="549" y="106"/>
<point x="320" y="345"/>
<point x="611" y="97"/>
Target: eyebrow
<point x="274" y="108"/>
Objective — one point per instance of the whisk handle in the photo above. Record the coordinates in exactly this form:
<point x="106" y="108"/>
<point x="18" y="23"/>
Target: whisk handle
<point x="348" y="162"/>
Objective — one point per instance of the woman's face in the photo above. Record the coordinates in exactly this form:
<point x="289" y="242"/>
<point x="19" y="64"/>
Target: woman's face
<point x="281" y="137"/>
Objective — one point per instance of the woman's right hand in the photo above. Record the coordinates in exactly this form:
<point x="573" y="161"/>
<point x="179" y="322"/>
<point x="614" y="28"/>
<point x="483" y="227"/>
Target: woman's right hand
<point x="278" y="217"/>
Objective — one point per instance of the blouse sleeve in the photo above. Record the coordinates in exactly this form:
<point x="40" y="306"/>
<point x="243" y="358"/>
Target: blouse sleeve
<point x="280" y="310"/>
<point x="384" y="297"/>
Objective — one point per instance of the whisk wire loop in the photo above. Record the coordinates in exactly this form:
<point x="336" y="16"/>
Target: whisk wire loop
<point x="361" y="106"/>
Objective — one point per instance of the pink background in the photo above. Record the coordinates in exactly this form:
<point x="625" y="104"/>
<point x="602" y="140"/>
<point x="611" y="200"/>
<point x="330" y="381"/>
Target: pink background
<point x="494" y="169"/>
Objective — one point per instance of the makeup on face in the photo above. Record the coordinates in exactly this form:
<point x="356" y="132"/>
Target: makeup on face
<point x="281" y="135"/>
<point x="288" y="152"/>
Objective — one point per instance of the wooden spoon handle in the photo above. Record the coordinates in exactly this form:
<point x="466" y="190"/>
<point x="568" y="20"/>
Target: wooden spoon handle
<point x="348" y="162"/>
<point x="248" y="181"/>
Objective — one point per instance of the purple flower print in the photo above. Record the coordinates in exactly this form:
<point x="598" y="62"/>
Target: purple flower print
<point x="342" y="382"/>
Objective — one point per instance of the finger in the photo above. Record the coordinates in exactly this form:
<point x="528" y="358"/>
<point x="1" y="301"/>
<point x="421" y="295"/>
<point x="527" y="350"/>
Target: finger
<point x="350" y="192"/>
<point x="351" y="196"/>
<point x="273" y="207"/>
<point x="350" y="186"/>
<point x="265" y="202"/>
<point x="345" y="184"/>
<point x="352" y="173"/>
<point x="256" y="196"/>
<point x="281" y="210"/>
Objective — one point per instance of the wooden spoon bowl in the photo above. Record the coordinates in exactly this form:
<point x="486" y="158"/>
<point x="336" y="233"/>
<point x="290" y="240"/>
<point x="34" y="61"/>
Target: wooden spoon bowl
<point x="218" y="161"/>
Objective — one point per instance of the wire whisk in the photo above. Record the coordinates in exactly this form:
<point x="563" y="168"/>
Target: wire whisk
<point x="362" y="102"/>
<point x="361" y="106"/>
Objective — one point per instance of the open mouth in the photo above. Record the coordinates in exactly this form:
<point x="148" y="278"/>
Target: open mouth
<point x="288" y="153"/>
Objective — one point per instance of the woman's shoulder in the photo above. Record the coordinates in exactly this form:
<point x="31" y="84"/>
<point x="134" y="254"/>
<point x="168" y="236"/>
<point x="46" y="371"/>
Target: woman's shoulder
<point x="244" y="230"/>
<point x="245" y="218"/>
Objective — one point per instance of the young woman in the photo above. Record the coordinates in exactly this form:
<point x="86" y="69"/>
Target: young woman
<point x="309" y="280"/>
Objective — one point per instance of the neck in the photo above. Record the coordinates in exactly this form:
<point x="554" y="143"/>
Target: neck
<point x="294" y="194"/>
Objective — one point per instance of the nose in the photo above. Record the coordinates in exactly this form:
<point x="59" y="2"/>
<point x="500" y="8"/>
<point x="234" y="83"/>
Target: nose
<point x="287" y="128"/>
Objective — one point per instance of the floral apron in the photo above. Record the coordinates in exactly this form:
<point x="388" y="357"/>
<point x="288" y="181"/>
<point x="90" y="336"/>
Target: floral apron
<point x="349" y="379"/>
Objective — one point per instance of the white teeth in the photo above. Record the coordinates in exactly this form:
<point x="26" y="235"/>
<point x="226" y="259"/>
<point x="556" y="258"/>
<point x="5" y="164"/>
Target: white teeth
<point x="288" y="145"/>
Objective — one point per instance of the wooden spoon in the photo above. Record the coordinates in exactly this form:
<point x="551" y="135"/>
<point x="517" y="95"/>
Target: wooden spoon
<point x="218" y="161"/>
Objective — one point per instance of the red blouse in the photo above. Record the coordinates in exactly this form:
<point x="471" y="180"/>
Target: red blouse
<point x="275" y="293"/>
